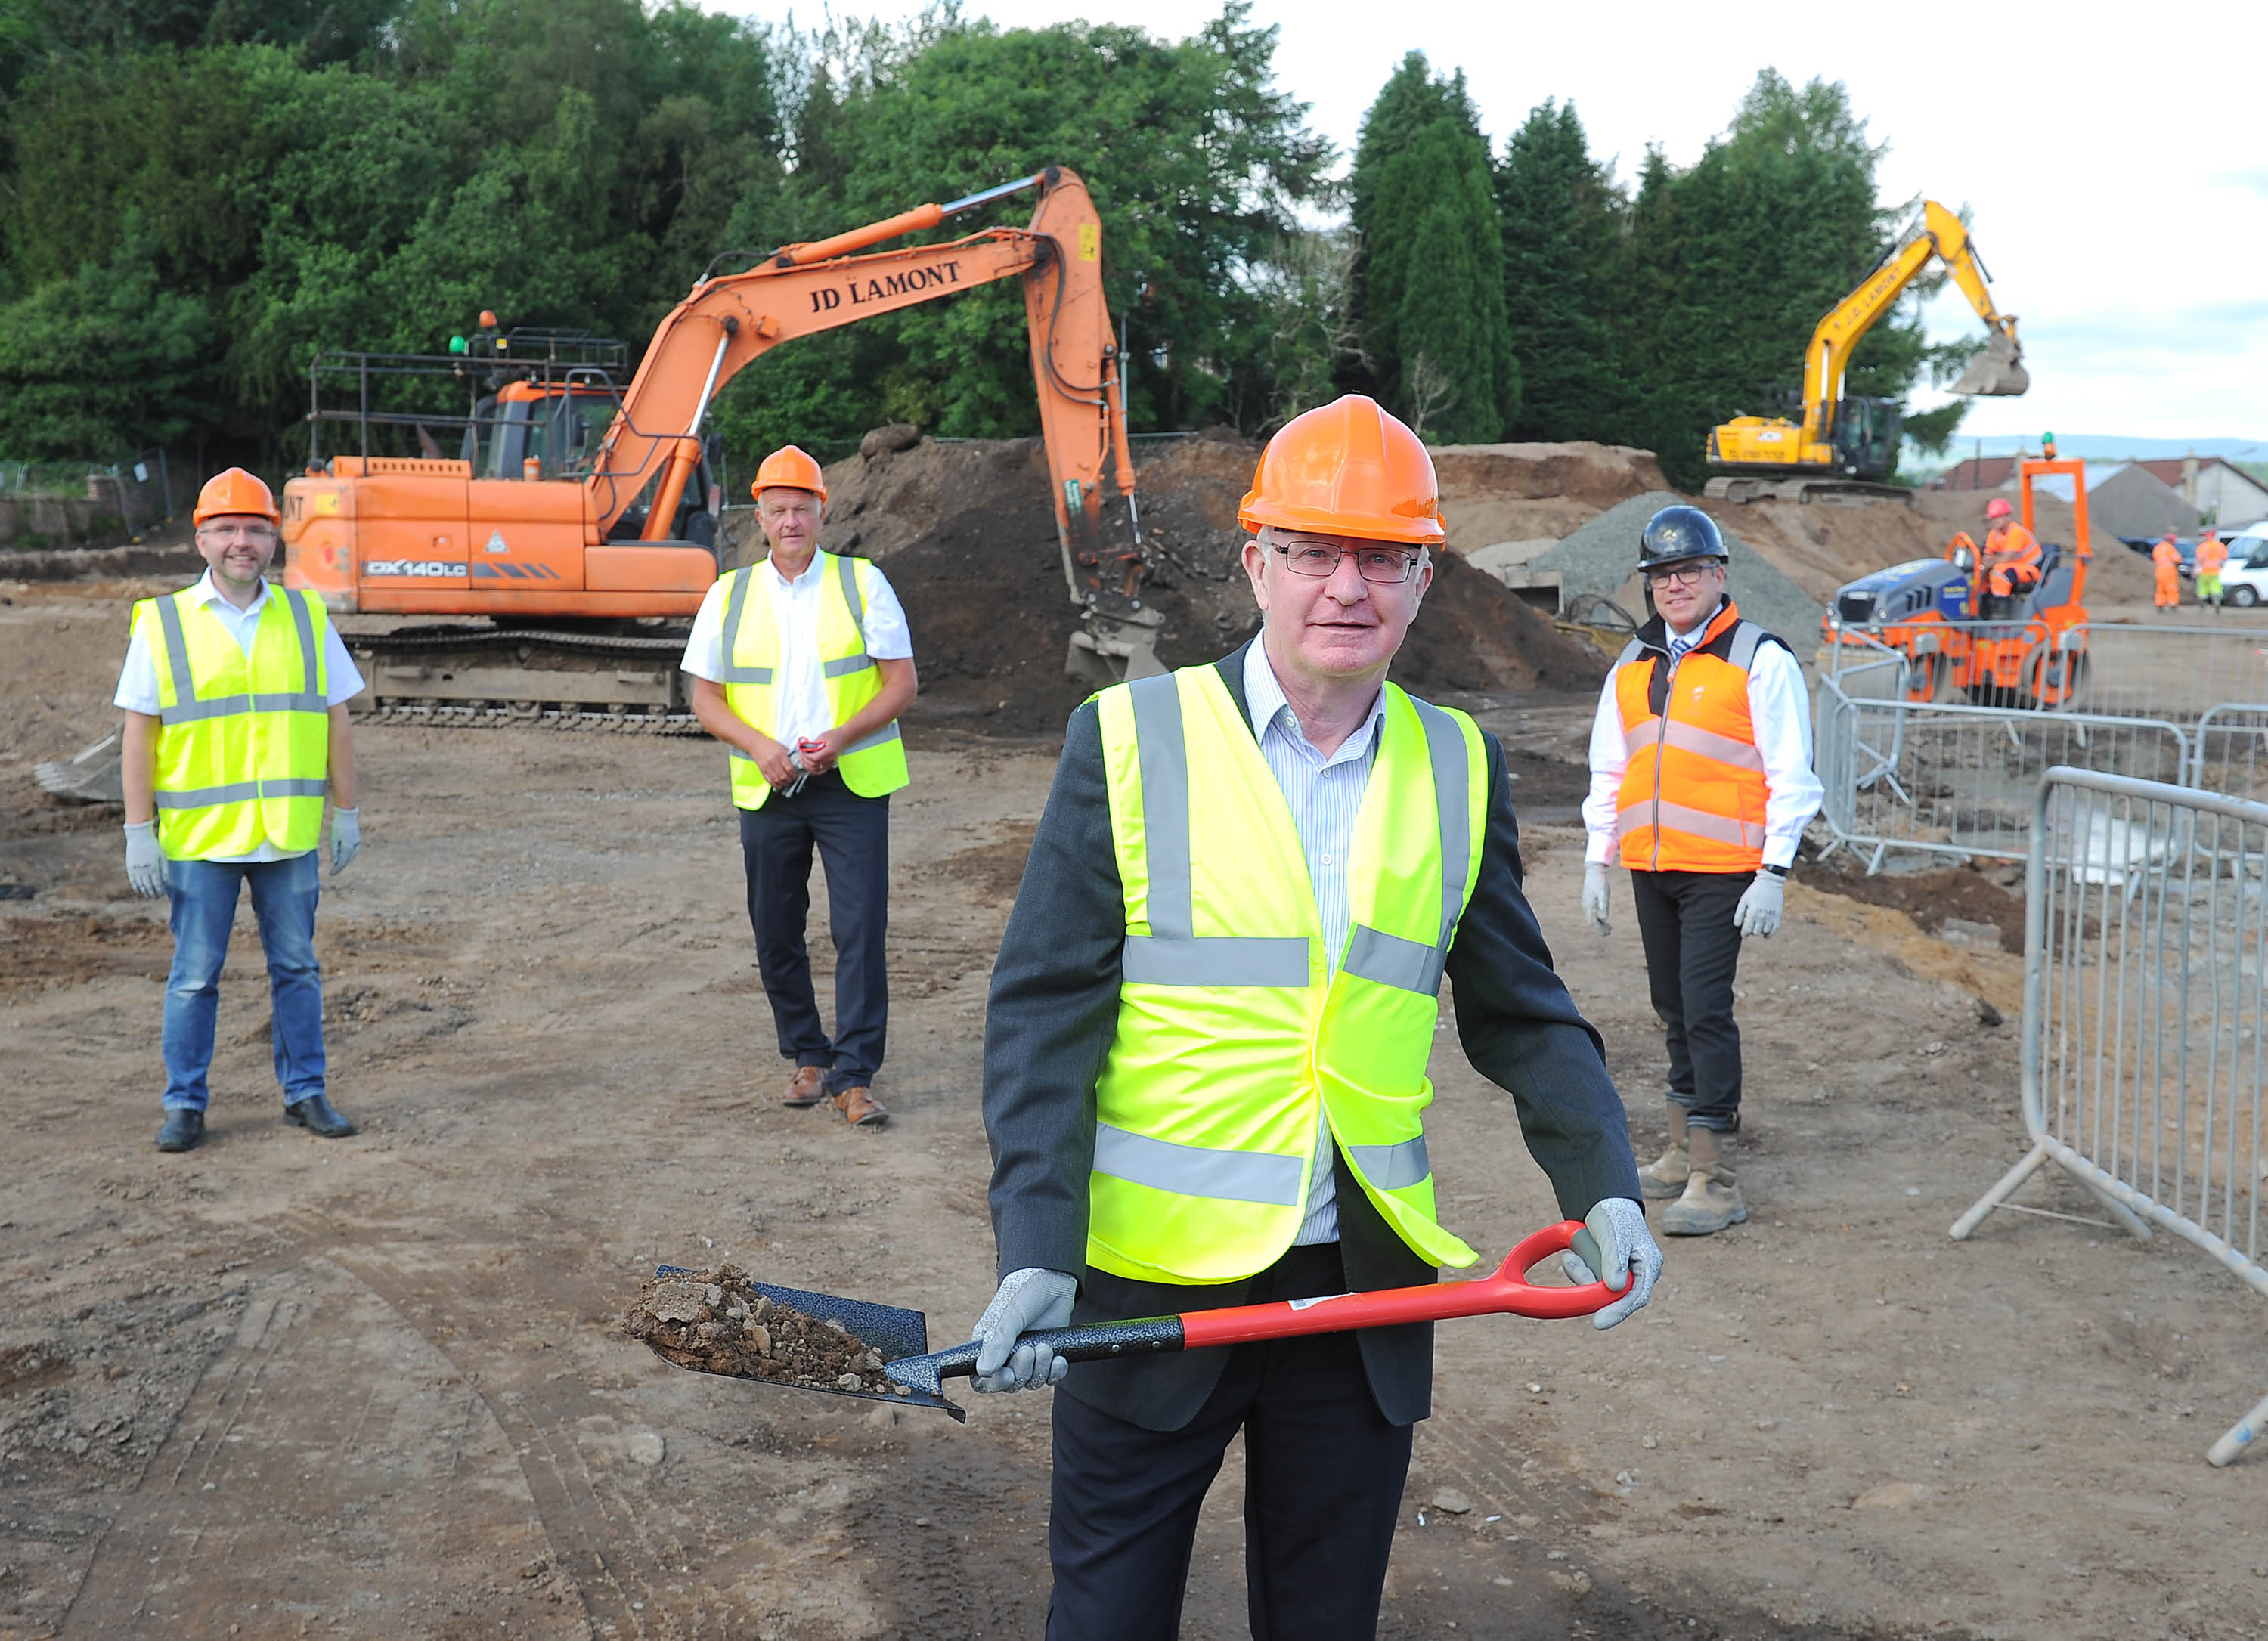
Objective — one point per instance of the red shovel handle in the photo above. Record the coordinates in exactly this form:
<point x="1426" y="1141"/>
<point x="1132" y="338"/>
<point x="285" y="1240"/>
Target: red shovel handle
<point x="1507" y="1292"/>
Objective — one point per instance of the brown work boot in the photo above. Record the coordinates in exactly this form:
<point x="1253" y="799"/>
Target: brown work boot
<point x="1712" y="1199"/>
<point x="1664" y="1178"/>
<point x="807" y="1088"/>
<point x="860" y="1108"/>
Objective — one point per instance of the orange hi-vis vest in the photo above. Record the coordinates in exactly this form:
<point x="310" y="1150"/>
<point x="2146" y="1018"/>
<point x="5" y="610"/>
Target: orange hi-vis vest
<point x="2013" y="557"/>
<point x="1693" y="789"/>
<point x="2211" y="556"/>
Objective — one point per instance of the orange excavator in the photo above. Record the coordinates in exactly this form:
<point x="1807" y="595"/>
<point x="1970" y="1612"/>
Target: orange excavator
<point x="580" y="547"/>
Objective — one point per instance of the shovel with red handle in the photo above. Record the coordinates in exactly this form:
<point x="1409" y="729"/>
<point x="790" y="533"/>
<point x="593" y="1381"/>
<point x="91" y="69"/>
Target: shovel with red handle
<point x="918" y="1374"/>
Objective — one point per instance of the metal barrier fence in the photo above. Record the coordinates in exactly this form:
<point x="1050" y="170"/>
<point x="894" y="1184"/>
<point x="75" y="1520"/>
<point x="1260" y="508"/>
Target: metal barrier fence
<point x="2144" y="1047"/>
<point x="1906" y="770"/>
<point x="59" y="503"/>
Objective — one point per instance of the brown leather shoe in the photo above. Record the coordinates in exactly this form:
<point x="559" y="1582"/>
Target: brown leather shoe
<point x="807" y="1088"/>
<point x="860" y="1108"/>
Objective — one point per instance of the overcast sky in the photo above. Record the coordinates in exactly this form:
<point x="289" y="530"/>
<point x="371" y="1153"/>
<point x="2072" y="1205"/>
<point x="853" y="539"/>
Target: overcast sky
<point x="2118" y="173"/>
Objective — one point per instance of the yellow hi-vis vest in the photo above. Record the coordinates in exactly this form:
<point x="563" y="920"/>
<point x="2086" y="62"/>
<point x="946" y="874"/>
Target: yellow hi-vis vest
<point x="1230" y="1031"/>
<point x="243" y="742"/>
<point x="873" y="767"/>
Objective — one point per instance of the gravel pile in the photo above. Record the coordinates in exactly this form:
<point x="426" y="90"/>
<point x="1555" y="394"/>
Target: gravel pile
<point x="1599" y="557"/>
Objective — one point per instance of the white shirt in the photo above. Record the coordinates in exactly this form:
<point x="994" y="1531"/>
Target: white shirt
<point x="137" y="680"/>
<point x="1325" y="796"/>
<point x="799" y="691"/>
<point x="1779" y="708"/>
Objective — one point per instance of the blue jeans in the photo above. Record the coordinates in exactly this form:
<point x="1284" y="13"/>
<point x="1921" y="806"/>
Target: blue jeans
<point x="203" y="893"/>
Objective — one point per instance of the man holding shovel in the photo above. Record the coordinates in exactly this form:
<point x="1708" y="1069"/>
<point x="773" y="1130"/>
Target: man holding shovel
<point x="1205" y="1076"/>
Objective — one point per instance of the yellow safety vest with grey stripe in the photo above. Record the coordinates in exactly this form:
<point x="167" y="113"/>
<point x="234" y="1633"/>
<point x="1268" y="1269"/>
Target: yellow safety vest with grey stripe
<point x="1232" y="1031"/>
<point x="873" y="768"/>
<point x="243" y="742"/>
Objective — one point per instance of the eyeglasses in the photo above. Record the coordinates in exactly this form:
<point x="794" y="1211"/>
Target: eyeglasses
<point x="236" y="532"/>
<point x="1686" y="575"/>
<point x="1318" y="560"/>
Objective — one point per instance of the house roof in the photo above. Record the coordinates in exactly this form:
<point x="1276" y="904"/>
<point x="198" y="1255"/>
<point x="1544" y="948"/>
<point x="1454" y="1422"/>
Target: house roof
<point x="1987" y="473"/>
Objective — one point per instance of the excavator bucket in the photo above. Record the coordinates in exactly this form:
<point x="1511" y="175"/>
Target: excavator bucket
<point x="90" y="776"/>
<point x="1995" y="371"/>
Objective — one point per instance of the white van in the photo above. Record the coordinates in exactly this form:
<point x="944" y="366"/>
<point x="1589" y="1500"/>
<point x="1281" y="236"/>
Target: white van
<point x="2244" y="579"/>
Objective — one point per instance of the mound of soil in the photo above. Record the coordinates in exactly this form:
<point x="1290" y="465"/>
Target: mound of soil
<point x="983" y="584"/>
<point x="1931" y="897"/>
<point x="716" y="1322"/>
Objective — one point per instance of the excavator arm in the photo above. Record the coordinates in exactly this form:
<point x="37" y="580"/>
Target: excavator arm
<point x="730" y="321"/>
<point x="1996" y="370"/>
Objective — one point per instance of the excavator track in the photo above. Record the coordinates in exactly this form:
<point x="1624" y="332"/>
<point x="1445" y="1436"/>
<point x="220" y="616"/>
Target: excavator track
<point x="456" y="677"/>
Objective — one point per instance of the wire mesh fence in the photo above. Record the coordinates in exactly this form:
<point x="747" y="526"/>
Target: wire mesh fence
<point x="2144" y="1046"/>
<point x="68" y="504"/>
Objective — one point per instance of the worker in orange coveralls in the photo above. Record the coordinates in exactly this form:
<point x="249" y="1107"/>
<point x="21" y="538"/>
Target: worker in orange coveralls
<point x="2167" y="557"/>
<point x="2012" y="556"/>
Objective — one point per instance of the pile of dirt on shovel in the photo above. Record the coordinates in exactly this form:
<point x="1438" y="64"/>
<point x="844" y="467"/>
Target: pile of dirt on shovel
<point x="716" y="1322"/>
<point x="982" y="581"/>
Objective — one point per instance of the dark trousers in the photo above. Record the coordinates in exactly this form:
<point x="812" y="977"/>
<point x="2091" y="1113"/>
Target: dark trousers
<point x="1323" y="1479"/>
<point x="853" y="837"/>
<point x="1685" y="920"/>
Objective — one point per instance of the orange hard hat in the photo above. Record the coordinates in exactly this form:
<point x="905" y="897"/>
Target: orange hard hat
<point x="234" y="491"/>
<point x="1347" y="468"/>
<point x="1998" y="507"/>
<point x="789" y="469"/>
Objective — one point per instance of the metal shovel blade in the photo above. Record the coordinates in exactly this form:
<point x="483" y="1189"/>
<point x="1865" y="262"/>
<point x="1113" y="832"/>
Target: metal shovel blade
<point x="1996" y="370"/>
<point x="897" y="1333"/>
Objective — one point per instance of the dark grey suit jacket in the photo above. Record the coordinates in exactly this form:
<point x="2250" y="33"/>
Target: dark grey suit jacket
<point x="1053" y="1014"/>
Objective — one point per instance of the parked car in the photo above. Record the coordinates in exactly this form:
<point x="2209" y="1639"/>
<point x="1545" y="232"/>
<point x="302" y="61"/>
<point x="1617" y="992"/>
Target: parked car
<point x="2148" y="544"/>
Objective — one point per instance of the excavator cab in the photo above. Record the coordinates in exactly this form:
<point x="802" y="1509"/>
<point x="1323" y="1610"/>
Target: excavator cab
<point x="1866" y="437"/>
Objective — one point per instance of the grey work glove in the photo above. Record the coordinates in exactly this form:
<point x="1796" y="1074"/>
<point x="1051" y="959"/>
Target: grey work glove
<point x="145" y="866"/>
<point x="346" y="839"/>
<point x="1594" y="896"/>
<point x="1028" y="1298"/>
<point x="1758" y="912"/>
<point x="1626" y="1249"/>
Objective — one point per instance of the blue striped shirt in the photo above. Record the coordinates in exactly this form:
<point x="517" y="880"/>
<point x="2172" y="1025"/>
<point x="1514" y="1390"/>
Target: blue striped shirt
<point x="1324" y="795"/>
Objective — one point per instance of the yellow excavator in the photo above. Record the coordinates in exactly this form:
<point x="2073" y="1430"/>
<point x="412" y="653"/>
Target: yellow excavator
<point x="1847" y="445"/>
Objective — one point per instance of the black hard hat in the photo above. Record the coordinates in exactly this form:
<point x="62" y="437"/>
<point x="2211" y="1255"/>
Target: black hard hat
<point x="1679" y="532"/>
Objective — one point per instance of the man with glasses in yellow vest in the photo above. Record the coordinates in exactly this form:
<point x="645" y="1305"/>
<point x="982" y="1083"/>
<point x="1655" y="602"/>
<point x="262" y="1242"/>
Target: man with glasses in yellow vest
<point x="1205" y="1060"/>
<point x="235" y="694"/>
<point x="801" y="665"/>
<point x="1701" y="783"/>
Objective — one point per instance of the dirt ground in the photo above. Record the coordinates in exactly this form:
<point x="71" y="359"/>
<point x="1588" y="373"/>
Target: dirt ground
<point x="376" y="1388"/>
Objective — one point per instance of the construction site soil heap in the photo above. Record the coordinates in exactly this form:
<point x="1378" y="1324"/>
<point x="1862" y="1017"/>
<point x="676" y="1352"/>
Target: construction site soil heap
<point x="716" y="1322"/>
<point x="965" y="532"/>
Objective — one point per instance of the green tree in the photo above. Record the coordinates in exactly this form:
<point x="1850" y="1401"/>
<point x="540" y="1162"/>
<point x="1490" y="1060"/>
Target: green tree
<point x="1429" y="279"/>
<point x="1563" y="227"/>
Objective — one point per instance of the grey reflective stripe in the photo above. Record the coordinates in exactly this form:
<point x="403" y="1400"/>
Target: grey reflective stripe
<point x="1643" y="735"/>
<point x="1708" y="743"/>
<point x="1172" y="953"/>
<point x="177" y="649"/>
<point x="230" y="706"/>
<point x="736" y="604"/>
<point x="1391" y="960"/>
<point x="1164" y="752"/>
<point x="881" y="737"/>
<point x="844" y="667"/>
<point x="238" y="792"/>
<point x="1699" y="822"/>
<point x="1452" y="782"/>
<point x="1392" y="1167"/>
<point x="1746" y="636"/>
<point x="1233" y="1176"/>
<point x="846" y="572"/>
<point x="1215" y="960"/>
<point x="309" y="656"/>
